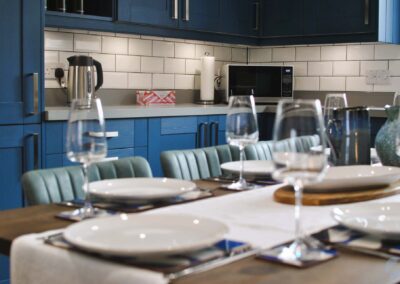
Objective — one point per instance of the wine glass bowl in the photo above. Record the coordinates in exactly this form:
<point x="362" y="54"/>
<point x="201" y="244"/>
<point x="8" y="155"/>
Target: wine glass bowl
<point x="86" y="141"/>
<point x="299" y="165"/>
<point x="241" y="130"/>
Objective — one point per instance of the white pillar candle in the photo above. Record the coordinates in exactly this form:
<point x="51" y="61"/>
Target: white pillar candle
<point x="207" y="78"/>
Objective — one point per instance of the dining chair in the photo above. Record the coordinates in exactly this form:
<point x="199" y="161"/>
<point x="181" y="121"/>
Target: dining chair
<point x="62" y="184"/>
<point x="197" y="163"/>
<point x="262" y="150"/>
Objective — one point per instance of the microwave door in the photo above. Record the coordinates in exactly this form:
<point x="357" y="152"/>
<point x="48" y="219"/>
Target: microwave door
<point x="268" y="88"/>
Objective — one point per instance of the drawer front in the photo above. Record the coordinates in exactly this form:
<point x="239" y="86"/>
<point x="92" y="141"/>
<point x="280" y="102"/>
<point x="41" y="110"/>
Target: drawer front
<point x="178" y="125"/>
<point x="120" y="133"/>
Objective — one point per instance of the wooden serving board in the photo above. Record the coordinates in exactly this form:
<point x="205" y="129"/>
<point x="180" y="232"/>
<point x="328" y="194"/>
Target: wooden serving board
<point x="286" y="195"/>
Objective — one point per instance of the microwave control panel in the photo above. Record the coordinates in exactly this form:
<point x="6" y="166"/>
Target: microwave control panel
<point x="287" y="82"/>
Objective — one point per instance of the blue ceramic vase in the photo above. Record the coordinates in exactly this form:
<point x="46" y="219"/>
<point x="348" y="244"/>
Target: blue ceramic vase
<point x="385" y="141"/>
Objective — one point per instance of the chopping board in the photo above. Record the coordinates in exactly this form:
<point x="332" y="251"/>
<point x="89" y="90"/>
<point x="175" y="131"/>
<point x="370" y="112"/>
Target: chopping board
<point x="286" y="195"/>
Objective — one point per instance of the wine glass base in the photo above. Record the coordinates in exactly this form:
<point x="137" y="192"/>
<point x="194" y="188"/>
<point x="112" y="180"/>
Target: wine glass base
<point x="306" y="252"/>
<point x="82" y="214"/>
<point x="240" y="185"/>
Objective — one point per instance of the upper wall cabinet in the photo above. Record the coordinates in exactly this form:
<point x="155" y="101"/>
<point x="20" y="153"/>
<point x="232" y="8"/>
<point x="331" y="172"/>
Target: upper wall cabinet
<point x="154" y="12"/>
<point x="202" y="15"/>
<point x="21" y="61"/>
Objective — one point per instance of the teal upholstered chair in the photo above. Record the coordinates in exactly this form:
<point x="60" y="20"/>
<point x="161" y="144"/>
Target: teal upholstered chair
<point x="263" y="149"/>
<point x="197" y="163"/>
<point x="61" y="184"/>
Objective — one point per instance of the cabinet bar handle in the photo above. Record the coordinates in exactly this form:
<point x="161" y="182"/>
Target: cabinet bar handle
<point x="206" y="135"/>
<point x="256" y="6"/>
<point x="35" y="93"/>
<point x="366" y="12"/>
<point x="35" y="150"/>
<point x="107" y="134"/>
<point x="200" y="133"/>
<point x="214" y="126"/>
<point x="174" y="9"/>
<point x="186" y="16"/>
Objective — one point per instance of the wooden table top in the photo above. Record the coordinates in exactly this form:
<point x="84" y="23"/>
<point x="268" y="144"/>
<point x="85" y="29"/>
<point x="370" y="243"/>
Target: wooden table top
<point x="349" y="267"/>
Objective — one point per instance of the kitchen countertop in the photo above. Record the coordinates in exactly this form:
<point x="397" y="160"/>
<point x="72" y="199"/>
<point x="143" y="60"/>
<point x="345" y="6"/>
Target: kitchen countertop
<point x="134" y="111"/>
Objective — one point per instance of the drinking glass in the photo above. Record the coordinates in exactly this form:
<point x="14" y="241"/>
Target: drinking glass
<point x="299" y="165"/>
<point x="86" y="141"/>
<point x="396" y="98"/>
<point x="241" y="130"/>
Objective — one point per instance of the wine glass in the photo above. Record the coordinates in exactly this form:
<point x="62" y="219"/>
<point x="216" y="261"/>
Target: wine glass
<point x="299" y="166"/>
<point x="86" y="141"/>
<point x="241" y="130"/>
<point x="333" y="102"/>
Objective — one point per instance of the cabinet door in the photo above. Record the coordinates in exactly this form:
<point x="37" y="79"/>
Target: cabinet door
<point x="154" y="12"/>
<point x="202" y="15"/>
<point x="240" y="17"/>
<point x="170" y="133"/>
<point x="339" y="17"/>
<point x="282" y="18"/>
<point x="21" y="56"/>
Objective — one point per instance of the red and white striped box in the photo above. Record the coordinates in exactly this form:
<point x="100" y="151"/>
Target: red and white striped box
<point x="146" y="98"/>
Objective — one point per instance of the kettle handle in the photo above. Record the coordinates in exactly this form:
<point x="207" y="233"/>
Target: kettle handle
<point x="99" y="70"/>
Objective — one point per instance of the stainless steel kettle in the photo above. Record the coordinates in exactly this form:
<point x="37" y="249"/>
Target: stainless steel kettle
<point x="81" y="81"/>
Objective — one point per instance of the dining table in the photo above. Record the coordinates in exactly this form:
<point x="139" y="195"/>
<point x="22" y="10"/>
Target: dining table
<point x="265" y="220"/>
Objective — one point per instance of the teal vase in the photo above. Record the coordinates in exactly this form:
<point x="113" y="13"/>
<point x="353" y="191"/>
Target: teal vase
<point x="385" y="141"/>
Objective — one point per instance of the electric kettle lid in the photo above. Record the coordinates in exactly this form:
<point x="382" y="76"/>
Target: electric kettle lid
<point x="80" y="60"/>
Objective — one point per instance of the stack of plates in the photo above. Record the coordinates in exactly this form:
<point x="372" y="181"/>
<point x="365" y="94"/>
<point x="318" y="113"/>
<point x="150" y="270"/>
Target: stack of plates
<point x="145" y="235"/>
<point x="253" y="168"/>
<point x="139" y="190"/>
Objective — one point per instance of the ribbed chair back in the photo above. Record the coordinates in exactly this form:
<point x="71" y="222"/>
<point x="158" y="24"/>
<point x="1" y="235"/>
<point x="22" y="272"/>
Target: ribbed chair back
<point x="197" y="163"/>
<point x="62" y="184"/>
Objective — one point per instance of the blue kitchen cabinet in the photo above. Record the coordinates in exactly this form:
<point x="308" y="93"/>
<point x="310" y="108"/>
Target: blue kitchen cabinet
<point x="19" y="152"/>
<point x="126" y="138"/>
<point x="282" y="18"/>
<point x="339" y="17"/>
<point x="201" y="15"/>
<point x="180" y="133"/>
<point x="21" y="69"/>
<point x="154" y="12"/>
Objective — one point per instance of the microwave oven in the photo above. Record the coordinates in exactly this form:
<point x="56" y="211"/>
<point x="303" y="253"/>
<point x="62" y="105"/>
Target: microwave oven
<point x="268" y="83"/>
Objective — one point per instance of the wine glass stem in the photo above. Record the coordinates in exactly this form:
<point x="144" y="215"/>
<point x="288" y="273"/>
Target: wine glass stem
<point x="87" y="208"/>
<point x="241" y="149"/>
<point x="298" y="191"/>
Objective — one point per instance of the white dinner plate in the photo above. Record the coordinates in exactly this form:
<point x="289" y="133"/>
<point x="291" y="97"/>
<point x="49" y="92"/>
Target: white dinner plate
<point x="379" y="219"/>
<point x="373" y="153"/>
<point x="250" y="167"/>
<point x="140" y="189"/>
<point x="145" y="235"/>
<point x="348" y="178"/>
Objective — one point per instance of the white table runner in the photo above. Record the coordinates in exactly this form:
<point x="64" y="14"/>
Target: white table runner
<point x="252" y="216"/>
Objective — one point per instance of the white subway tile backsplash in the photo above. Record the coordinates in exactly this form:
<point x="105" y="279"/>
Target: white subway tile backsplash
<point x="184" y="82"/>
<point x="320" y="68"/>
<point x="102" y="33"/>
<point x="260" y="55"/>
<point x="387" y="51"/>
<point x="88" y="43"/>
<point x="197" y="82"/>
<point x="51" y="84"/>
<point x="140" y="47"/>
<point x="115" y="45"/>
<point x="107" y="60"/>
<point x="127" y="35"/>
<point x="393" y="86"/>
<point x="309" y="53"/>
<point x="331" y="53"/>
<point x="115" y="80"/>
<point x="50" y="56"/>
<point x="59" y="41"/>
<point x="223" y="53"/>
<point x="239" y="55"/>
<point x="358" y="84"/>
<point x="306" y="84"/>
<point x="193" y="66"/>
<point x="218" y="66"/>
<point x="360" y="52"/>
<point x="139" y="81"/>
<point x="127" y="63"/>
<point x="202" y="50"/>
<point x="185" y="50"/>
<point x="283" y="54"/>
<point x="372" y="65"/>
<point x="394" y="67"/>
<point x="174" y="65"/>
<point x="299" y="68"/>
<point x="163" y="81"/>
<point x="152" y="65"/>
<point x="332" y="83"/>
<point x="163" y="49"/>
<point x="346" y="68"/>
